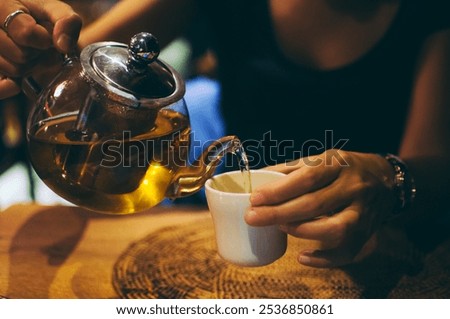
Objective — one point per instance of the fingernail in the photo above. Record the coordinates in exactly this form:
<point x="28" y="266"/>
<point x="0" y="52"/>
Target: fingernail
<point x="256" y="199"/>
<point x="250" y="215"/>
<point x="65" y="43"/>
<point x="305" y="256"/>
<point x="305" y="260"/>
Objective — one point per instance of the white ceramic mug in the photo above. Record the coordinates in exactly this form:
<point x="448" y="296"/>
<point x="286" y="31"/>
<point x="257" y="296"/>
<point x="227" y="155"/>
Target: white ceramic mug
<point x="238" y="242"/>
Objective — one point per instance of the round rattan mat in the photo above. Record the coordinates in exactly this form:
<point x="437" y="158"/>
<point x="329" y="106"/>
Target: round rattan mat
<point x="181" y="262"/>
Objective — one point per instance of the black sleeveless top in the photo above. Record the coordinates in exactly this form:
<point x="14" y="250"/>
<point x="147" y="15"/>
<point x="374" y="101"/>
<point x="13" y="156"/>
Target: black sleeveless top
<point x="283" y="111"/>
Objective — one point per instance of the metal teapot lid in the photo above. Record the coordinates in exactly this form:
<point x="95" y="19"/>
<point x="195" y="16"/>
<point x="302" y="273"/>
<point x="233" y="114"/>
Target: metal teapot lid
<point x="132" y="75"/>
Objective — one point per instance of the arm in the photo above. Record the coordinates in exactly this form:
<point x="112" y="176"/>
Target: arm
<point x="166" y="19"/>
<point x="341" y="204"/>
<point x="426" y="144"/>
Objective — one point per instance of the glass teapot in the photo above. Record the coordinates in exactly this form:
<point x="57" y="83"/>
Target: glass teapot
<point x="111" y="132"/>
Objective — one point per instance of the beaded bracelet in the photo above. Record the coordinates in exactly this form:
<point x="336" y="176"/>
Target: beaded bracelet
<point x="404" y="186"/>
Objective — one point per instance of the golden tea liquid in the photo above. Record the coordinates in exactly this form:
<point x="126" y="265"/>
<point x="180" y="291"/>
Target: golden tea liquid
<point x="244" y="167"/>
<point x="121" y="174"/>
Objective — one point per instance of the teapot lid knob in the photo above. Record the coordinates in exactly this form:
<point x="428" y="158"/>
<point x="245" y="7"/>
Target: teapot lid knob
<point x="143" y="50"/>
<point x="132" y="74"/>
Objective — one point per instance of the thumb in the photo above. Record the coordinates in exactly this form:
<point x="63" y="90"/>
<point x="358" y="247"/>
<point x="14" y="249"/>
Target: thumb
<point x="66" y="22"/>
<point x="66" y="33"/>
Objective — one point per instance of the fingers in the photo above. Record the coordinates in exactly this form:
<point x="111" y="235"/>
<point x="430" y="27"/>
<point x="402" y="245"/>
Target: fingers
<point x="332" y="230"/>
<point x="67" y="23"/>
<point x="8" y="7"/>
<point x="18" y="44"/>
<point x="325" y="258"/>
<point x="41" y="25"/>
<point x="12" y="52"/>
<point x="23" y="28"/>
<point x="66" y="33"/>
<point x="10" y="69"/>
<point x="340" y="240"/>
<point x="26" y="32"/>
<point x="14" y="59"/>
<point x="303" y="208"/>
<point x="286" y="168"/>
<point x="300" y="181"/>
<point x="44" y="23"/>
<point x="8" y="88"/>
<point x="350" y="186"/>
<point x="339" y="256"/>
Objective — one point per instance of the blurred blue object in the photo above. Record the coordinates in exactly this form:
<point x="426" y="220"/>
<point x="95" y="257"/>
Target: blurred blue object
<point x="203" y="103"/>
<point x="207" y="125"/>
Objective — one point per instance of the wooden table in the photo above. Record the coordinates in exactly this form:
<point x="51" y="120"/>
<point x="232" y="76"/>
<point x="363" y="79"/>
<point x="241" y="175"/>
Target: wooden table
<point x="68" y="252"/>
<point x="169" y="252"/>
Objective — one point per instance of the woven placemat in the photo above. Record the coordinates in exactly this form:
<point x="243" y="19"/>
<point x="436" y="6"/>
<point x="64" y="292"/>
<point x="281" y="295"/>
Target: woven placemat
<point x="182" y="262"/>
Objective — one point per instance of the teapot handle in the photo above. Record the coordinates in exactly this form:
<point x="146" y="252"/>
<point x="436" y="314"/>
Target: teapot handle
<point x="32" y="88"/>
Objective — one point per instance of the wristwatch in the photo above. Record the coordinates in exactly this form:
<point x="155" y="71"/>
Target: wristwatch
<point x="404" y="186"/>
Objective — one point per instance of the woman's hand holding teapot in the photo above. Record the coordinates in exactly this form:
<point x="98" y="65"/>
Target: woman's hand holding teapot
<point x="30" y="31"/>
<point x="338" y="199"/>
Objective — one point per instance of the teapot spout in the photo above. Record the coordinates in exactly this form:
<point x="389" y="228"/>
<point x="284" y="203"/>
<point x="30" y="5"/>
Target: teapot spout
<point x="191" y="179"/>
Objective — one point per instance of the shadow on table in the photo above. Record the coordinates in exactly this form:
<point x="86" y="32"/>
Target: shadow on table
<point x="40" y="246"/>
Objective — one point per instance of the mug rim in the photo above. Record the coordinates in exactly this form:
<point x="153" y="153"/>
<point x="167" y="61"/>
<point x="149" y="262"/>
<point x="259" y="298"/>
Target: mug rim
<point x="252" y="171"/>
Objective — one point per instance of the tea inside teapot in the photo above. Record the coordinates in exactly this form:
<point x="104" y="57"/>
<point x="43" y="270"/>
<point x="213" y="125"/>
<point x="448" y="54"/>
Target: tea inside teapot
<point x="114" y="175"/>
<point x="111" y="132"/>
